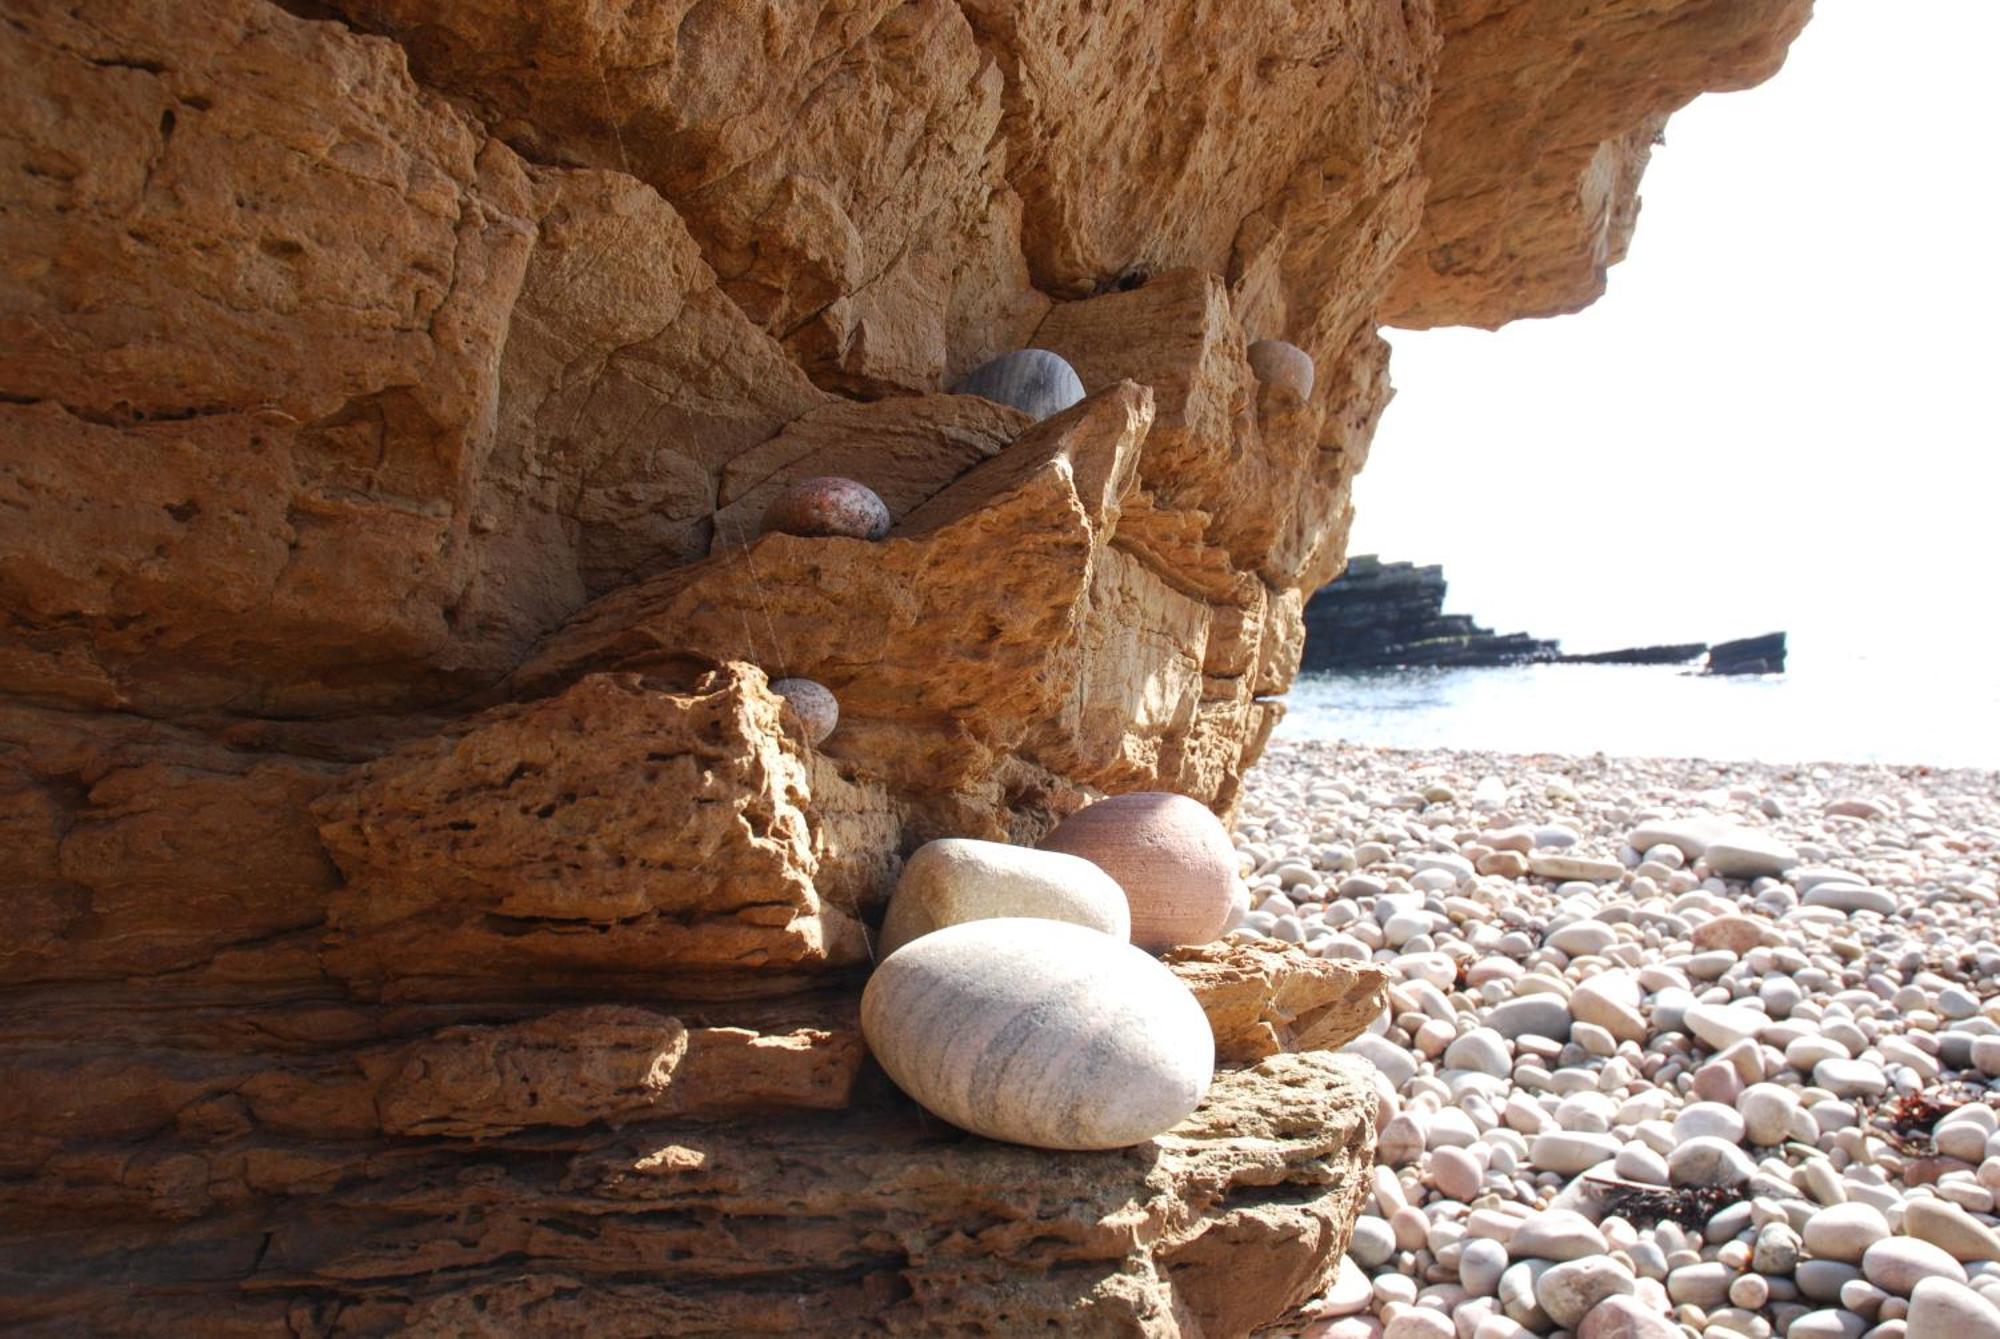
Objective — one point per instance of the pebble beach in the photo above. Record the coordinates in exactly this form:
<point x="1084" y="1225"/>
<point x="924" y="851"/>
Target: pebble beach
<point x="1674" y="1048"/>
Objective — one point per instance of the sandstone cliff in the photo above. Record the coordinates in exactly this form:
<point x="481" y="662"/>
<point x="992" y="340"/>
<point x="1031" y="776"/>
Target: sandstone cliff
<point x="420" y="914"/>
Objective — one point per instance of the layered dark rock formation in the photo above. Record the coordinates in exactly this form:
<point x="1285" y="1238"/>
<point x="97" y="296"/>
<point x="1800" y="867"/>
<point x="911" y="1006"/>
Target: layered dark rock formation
<point x="1378" y="615"/>
<point x="1763" y="654"/>
<point x="1677" y="653"/>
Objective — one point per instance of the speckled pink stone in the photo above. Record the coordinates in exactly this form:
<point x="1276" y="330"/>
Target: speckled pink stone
<point x="813" y="703"/>
<point x="828" y="506"/>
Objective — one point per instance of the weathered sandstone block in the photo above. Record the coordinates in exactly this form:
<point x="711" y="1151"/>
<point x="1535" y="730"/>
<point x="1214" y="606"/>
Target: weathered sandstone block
<point x="578" y="1067"/>
<point x="1262" y="999"/>
<point x="1544" y="119"/>
<point x="620" y="832"/>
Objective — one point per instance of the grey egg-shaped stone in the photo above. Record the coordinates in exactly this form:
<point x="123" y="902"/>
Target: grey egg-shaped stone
<point x="1034" y="381"/>
<point x="1040" y="1033"/>
<point x="827" y="506"/>
<point x="814" y="704"/>
<point x="1284" y="367"/>
<point x="958" y="879"/>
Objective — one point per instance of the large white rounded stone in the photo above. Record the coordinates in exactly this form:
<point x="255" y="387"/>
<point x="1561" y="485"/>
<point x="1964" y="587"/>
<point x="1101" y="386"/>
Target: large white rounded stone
<point x="1711" y="1119"/>
<point x="1350" y="1292"/>
<point x="1944" y="1307"/>
<point x="1040" y="1033"/>
<point x="1850" y="1078"/>
<point x="1569" y="1290"/>
<point x="1480" y="1265"/>
<point x="1705" y="1160"/>
<point x="1723" y="1025"/>
<point x="1611" y="1000"/>
<point x="1851" y="897"/>
<point x="1767" y="1110"/>
<point x="1483" y="1051"/>
<point x="1690" y="836"/>
<point x="1744" y="853"/>
<point x="1581" y="938"/>
<point x="1844" y="1232"/>
<point x="1556" y="1234"/>
<point x="1945" y="1225"/>
<point x="1419" y="1322"/>
<point x="959" y="879"/>
<point x="1548" y="865"/>
<point x="1537" y="1015"/>
<point x="1623" y="1317"/>
<point x="1568" y="1152"/>
<point x="1898" y="1264"/>
<point x="1397" y="1064"/>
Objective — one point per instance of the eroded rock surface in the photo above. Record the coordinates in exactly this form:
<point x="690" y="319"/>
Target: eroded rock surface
<point x="871" y="1218"/>
<point x="1263" y="1000"/>
<point x="421" y="915"/>
<point x="1543" y="122"/>
<point x="616" y="834"/>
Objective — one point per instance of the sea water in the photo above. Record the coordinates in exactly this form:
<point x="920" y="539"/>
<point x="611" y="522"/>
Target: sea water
<point x="1828" y="708"/>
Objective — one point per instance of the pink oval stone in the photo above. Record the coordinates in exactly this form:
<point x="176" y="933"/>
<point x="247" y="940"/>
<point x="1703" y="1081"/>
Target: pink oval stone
<point x="1171" y="855"/>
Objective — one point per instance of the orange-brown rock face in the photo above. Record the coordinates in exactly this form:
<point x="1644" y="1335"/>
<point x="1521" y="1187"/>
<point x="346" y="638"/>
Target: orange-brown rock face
<point x="421" y="914"/>
<point x="1544" y="118"/>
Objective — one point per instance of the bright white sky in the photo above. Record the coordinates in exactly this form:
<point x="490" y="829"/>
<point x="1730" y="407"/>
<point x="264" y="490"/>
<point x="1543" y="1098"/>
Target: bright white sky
<point x="1782" y="415"/>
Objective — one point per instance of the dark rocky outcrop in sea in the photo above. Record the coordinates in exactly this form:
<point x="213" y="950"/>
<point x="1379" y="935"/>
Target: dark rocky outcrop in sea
<point x="1677" y="653"/>
<point x="1379" y="615"/>
<point x="1749" y="655"/>
<point x="1391" y="615"/>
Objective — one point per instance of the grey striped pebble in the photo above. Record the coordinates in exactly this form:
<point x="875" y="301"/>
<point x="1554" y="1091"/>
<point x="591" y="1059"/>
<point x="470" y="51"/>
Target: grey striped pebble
<point x="1034" y="381"/>
<point x="1040" y="1033"/>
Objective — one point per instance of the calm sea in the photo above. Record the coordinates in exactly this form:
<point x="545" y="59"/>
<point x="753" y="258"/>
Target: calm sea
<point x="1830" y="707"/>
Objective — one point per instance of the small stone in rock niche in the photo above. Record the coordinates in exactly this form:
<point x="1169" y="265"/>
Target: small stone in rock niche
<point x="828" y="506"/>
<point x="1034" y="381"/>
<point x="1171" y="855"/>
<point x="1285" y="368"/>
<point x="814" y="703"/>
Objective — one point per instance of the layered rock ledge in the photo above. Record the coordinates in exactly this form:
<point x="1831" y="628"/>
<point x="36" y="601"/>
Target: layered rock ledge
<point x="421" y="914"/>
